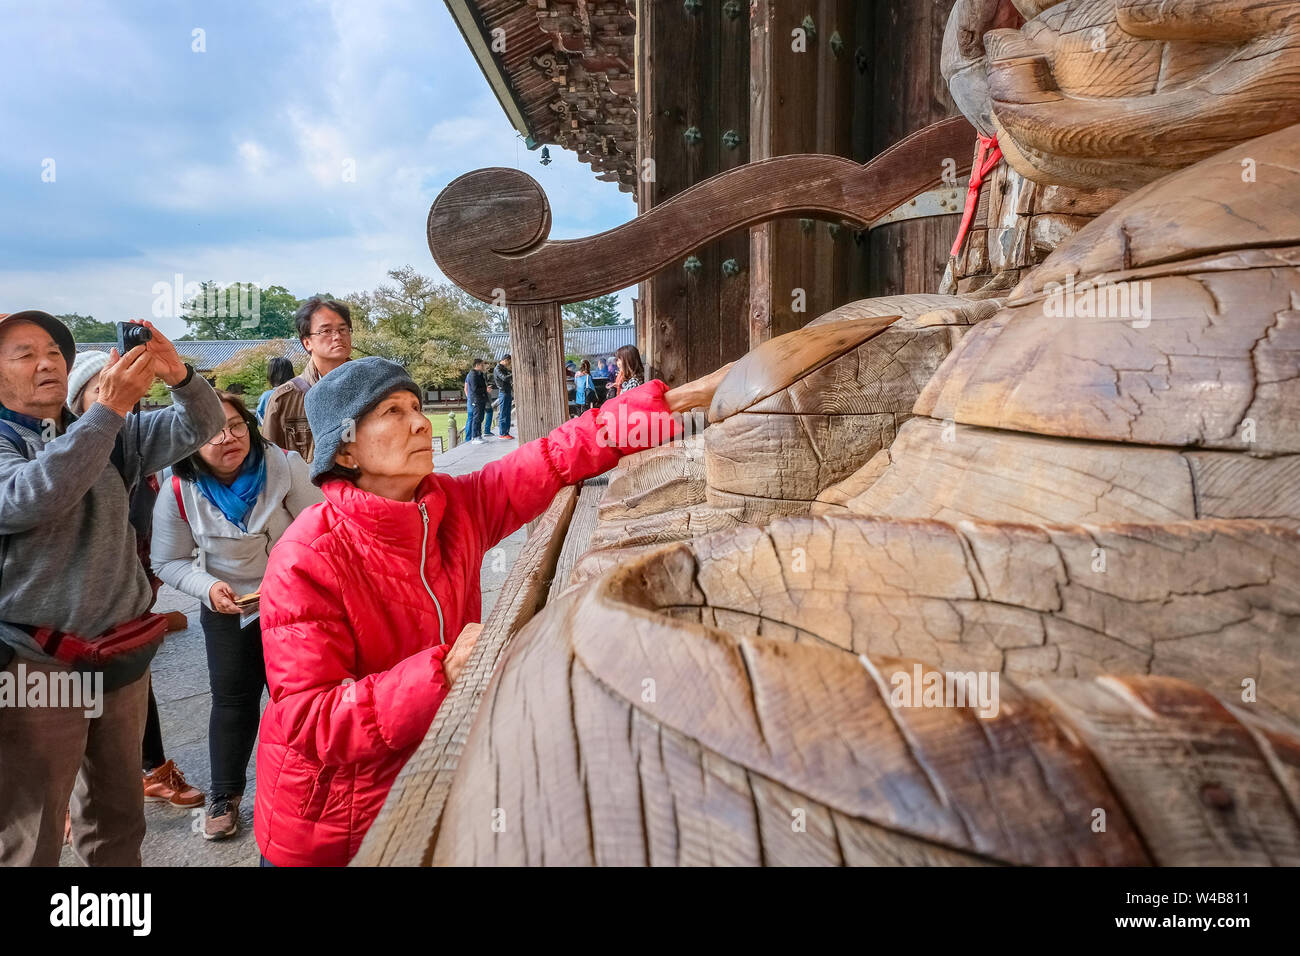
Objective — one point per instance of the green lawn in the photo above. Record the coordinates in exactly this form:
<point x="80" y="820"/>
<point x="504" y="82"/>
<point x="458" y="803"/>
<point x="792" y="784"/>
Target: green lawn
<point x="439" y="422"/>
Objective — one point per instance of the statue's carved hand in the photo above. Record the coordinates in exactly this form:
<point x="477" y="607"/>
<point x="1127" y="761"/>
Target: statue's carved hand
<point x="698" y="393"/>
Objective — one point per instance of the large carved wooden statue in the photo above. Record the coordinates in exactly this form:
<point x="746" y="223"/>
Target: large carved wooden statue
<point x="1005" y="576"/>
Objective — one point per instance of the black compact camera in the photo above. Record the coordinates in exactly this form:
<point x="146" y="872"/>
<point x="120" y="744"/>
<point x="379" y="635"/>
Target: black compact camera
<point x="129" y="335"/>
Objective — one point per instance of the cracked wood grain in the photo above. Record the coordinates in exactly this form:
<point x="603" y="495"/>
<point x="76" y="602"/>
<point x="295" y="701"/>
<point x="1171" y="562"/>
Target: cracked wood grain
<point x="743" y="733"/>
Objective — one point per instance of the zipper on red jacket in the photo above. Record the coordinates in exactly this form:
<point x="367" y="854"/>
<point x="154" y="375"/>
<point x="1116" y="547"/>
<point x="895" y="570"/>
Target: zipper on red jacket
<point x="424" y="551"/>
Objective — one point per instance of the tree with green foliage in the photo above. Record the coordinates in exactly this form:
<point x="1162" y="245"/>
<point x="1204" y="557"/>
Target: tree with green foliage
<point x="84" y="328"/>
<point x="602" y="310"/>
<point x="240" y="310"/>
<point x="432" y="329"/>
<point x="247" y="367"/>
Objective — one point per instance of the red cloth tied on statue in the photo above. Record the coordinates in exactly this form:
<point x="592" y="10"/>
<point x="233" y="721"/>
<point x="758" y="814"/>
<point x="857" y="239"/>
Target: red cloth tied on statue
<point x="989" y="155"/>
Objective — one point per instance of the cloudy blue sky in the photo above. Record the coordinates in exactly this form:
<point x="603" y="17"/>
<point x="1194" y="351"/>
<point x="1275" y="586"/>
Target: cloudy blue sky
<point x="228" y="164"/>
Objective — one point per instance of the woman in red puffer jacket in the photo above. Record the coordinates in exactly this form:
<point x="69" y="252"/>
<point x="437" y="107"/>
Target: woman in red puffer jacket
<point x="367" y="596"/>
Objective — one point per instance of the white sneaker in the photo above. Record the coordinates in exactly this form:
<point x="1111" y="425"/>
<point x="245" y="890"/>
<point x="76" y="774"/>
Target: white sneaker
<point x="476" y="441"/>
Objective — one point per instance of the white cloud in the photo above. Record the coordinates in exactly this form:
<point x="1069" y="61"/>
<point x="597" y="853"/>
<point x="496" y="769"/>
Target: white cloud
<point x="225" y="188"/>
<point x="254" y="157"/>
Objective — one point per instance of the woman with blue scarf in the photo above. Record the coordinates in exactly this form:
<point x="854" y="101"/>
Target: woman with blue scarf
<point x="213" y="528"/>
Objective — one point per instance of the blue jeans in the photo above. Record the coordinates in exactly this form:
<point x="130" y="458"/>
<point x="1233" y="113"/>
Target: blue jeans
<point x="475" y="427"/>
<point x="507" y="398"/>
<point x="487" y="418"/>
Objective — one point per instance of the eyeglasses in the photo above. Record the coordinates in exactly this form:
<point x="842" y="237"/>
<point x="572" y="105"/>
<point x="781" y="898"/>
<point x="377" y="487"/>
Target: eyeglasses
<point x="341" y="331"/>
<point x="236" y="431"/>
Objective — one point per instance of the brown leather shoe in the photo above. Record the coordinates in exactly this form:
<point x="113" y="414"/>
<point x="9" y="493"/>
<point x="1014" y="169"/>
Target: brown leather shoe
<point x="167" y="784"/>
<point x="222" y="819"/>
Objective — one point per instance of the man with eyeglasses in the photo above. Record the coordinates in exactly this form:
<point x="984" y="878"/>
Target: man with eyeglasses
<point x="325" y="330"/>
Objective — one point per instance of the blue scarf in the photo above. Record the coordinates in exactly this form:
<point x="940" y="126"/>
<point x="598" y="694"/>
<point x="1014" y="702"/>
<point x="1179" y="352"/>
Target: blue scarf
<point x="236" y="499"/>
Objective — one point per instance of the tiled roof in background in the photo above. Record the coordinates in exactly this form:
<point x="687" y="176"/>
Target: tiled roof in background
<point x="600" y="340"/>
<point x="212" y="352"/>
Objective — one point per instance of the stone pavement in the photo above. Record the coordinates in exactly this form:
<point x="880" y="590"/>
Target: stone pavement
<point x="180" y="683"/>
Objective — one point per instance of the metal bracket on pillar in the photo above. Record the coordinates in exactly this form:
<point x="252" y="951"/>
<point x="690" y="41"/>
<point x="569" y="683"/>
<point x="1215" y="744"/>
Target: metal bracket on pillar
<point x="693" y="7"/>
<point x="693" y="265"/>
<point x="837" y="43"/>
<point x="732" y="9"/>
<point x="731" y="267"/>
<point x="809" y="27"/>
<point x="944" y="201"/>
<point x="731" y="139"/>
<point x="692" y="135"/>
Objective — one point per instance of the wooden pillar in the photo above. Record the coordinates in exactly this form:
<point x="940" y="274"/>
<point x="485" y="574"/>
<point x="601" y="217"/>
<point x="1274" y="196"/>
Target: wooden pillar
<point x="867" y="77"/>
<point x="537" y="360"/>
<point x="762" y="21"/>
<point x="692" y="75"/>
<point x="645" y="150"/>
<point x="908" y="93"/>
<point x="802" y="86"/>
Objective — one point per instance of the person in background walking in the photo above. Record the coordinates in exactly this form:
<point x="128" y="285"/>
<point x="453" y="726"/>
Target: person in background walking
<point x="505" y="380"/>
<point x="584" y="390"/>
<point x="163" y="780"/>
<point x="476" y="394"/>
<point x="325" y="330"/>
<point x="631" y="372"/>
<point x="278" y="371"/>
<point x="231" y="500"/>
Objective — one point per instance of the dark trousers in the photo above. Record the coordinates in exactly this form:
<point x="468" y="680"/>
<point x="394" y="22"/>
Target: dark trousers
<point x="476" y="410"/>
<point x="154" y="755"/>
<point x="237" y="676"/>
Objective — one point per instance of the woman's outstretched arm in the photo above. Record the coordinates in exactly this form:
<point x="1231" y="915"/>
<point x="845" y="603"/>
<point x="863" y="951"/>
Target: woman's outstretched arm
<point x="517" y="488"/>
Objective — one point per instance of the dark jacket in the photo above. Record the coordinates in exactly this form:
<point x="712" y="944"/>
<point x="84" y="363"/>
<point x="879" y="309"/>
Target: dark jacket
<point x="477" y="383"/>
<point x="505" y="378"/>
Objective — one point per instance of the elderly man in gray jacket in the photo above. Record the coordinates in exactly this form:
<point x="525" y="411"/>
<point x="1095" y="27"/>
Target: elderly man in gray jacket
<point x="74" y="597"/>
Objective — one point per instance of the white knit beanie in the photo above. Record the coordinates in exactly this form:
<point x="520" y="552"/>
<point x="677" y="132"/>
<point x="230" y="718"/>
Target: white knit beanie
<point x="86" y="367"/>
